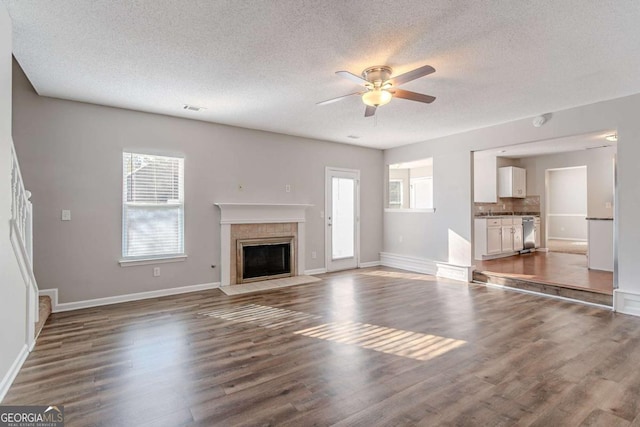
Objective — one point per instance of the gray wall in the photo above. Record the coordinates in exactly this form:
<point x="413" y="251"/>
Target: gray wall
<point x="71" y="156"/>
<point x="445" y="235"/>
<point x="600" y="178"/>
<point x="13" y="304"/>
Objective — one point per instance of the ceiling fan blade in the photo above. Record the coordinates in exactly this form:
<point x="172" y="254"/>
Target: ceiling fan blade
<point x="413" y="96"/>
<point x="329" y="101"/>
<point x="411" y="75"/>
<point x="350" y="76"/>
<point x="369" y="111"/>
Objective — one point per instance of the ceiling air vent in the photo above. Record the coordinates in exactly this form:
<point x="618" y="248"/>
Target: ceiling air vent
<point x="192" y="107"/>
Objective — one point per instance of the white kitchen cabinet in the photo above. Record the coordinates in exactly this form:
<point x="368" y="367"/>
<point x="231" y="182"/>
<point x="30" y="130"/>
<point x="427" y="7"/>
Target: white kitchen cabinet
<point x="518" y="241"/>
<point x="512" y="182"/>
<point x="507" y="238"/>
<point x="485" y="177"/>
<point x="600" y="252"/>
<point x="487" y="239"/>
<point x="495" y="237"/>
<point x="494" y="240"/>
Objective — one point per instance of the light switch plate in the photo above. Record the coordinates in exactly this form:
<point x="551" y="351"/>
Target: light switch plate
<point x="66" y="215"/>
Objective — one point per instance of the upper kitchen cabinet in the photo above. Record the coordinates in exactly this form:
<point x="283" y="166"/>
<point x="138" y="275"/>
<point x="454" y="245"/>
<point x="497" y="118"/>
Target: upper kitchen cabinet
<point x="512" y="182"/>
<point x="485" y="188"/>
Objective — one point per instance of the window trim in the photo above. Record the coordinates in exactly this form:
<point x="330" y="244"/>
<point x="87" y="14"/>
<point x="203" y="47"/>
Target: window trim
<point x="133" y="261"/>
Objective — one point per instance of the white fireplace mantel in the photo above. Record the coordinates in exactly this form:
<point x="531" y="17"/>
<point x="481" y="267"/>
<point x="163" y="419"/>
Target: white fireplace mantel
<point x="258" y="213"/>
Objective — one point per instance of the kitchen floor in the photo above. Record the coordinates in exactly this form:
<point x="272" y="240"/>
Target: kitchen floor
<point x="561" y="269"/>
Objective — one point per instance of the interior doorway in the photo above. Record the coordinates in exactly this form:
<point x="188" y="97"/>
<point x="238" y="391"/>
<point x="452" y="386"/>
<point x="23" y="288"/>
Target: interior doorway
<point x="566" y="210"/>
<point x="570" y="199"/>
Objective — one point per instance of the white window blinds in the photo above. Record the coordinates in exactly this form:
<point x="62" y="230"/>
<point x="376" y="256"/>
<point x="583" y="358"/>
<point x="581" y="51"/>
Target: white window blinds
<point x="152" y="206"/>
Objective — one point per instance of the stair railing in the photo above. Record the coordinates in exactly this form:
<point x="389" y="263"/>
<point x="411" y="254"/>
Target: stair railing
<point x="21" y="225"/>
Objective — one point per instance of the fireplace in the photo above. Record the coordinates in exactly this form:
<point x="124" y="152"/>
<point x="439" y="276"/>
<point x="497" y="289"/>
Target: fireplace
<point x="257" y="222"/>
<point x="266" y="258"/>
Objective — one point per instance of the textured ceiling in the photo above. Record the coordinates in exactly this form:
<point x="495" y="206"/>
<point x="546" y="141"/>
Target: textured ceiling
<point x="264" y="64"/>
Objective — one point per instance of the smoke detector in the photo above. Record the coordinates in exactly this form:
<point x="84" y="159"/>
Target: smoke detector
<point x="539" y="121"/>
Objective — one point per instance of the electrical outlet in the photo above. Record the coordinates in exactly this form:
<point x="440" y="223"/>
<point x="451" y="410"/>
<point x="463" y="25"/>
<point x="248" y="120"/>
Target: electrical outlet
<point x="66" y="215"/>
<point x="400" y="238"/>
<point x="156" y="271"/>
<point x="287" y="188"/>
<point x="321" y="214"/>
<point x="314" y="254"/>
<point x="607" y="205"/>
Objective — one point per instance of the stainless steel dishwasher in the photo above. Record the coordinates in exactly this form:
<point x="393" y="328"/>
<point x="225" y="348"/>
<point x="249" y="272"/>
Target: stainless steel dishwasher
<point x="528" y="234"/>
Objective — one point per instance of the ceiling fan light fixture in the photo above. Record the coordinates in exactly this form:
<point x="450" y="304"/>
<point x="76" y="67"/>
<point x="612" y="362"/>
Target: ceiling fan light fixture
<point x="376" y="97"/>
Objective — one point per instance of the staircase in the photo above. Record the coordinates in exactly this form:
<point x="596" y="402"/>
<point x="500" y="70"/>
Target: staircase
<point x="44" y="310"/>
<point x="21" y="237"/>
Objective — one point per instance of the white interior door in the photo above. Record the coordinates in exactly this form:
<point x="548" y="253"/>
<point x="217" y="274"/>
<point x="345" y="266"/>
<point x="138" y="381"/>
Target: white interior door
<point x="342" y="215"/>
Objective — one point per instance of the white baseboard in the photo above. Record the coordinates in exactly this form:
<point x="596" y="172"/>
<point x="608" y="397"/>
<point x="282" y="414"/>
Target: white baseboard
<point x="626" y="302"/>
<point x="427" y="266"/>
<point x="77" y="305"/>
<point x="405" y="262"/>
<point x="370" y="264"/>
<point x="567" y="238"/>
<point x="461" y="273"/>
<point x="13" y="372"/>
<point x="315" y="271"/>
<point x="324" y="270"/>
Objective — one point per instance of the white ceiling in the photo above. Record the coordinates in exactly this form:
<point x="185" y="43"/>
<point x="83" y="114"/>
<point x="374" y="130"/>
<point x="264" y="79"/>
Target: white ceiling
<point x="552" y="146"/>
<point x="264" y="64"/>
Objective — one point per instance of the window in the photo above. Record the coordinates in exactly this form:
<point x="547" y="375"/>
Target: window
<point x="421" y="193"/>
<point x="152" y="206"/>
<point x="395" y="193"/>
<point x="411" y="186"/>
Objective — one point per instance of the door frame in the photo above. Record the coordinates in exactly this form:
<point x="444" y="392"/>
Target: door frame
<point x="327" y="213"/>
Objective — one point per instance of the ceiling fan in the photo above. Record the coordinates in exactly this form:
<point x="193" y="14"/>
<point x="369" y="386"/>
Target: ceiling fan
<point x="381" y="87"/>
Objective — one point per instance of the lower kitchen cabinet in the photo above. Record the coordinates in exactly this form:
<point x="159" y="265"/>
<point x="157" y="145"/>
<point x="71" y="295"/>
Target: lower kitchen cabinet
<point x="496" y="236"/>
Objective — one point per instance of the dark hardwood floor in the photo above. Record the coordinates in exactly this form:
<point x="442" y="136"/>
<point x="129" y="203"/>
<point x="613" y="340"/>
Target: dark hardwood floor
<point x="361" y="348"/>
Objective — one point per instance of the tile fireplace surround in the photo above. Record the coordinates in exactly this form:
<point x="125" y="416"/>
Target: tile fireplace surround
<point x="249" y="220"/>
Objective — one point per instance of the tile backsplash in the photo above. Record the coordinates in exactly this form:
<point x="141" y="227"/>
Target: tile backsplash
<point x="530" y="205"/>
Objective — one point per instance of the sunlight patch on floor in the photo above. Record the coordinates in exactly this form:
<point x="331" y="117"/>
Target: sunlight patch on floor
<point x="398" y="342"/>
<point x="263" y="316"/>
